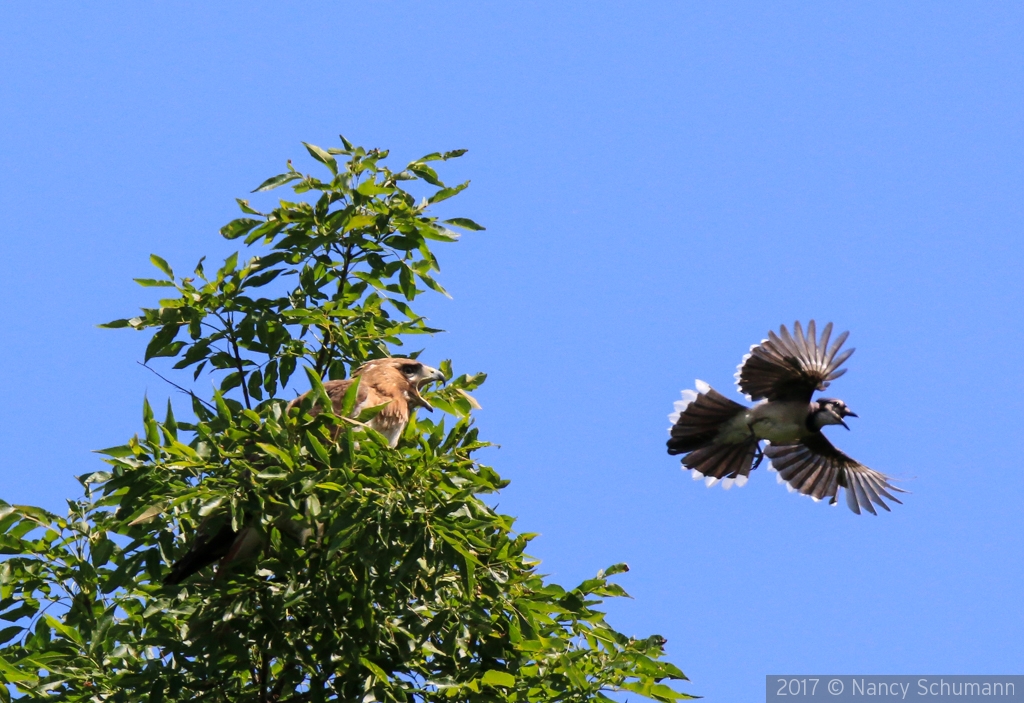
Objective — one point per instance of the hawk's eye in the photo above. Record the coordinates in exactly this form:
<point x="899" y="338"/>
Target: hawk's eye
<point x="411" y="369"/>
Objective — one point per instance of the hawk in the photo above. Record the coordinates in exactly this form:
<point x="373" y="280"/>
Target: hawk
<point x="394" y="382"/>
<point x="721" y="439"/>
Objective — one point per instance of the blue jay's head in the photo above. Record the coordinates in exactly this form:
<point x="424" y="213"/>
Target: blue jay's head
<point x="831" y="411"/>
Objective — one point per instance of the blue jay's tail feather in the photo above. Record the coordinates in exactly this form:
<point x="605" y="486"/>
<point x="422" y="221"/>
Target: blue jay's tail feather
<point x="697" y="423"/>
<point x="698" y="417"/>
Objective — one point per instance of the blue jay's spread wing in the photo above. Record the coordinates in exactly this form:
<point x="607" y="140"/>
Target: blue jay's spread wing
<point x="817" y="469"/>
<point x="785" y="367"/>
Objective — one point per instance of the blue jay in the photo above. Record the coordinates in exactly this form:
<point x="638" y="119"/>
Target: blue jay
<point x="721" y="439"/>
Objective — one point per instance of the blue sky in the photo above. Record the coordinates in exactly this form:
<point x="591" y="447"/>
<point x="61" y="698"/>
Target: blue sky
<point x="661" y="185"/>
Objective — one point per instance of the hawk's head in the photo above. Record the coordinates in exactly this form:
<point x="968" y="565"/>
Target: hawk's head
<point x="408" y="375"/>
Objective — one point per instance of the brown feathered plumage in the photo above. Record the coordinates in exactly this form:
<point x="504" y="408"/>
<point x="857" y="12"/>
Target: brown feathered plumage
<point x="394" y="382"/>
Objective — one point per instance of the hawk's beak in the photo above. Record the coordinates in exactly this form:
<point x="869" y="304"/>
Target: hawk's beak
<point x="429" y="376"/>
<point x="850" y="413"/>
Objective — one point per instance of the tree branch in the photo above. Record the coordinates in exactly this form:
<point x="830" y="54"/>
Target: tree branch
<point x="229" y="332"/>
<point x="264" y="676"/>
<point x="183" y="390"/>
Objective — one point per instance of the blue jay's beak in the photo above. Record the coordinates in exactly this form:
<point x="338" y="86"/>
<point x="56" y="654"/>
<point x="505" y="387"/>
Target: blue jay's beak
<point x="847" y="413"/>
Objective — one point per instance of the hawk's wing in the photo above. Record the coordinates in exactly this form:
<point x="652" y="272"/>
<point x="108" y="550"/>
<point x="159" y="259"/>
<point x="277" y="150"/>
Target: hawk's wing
<point x="376" y="387"/>
<point x="336" y="391"/>
<point x="785" y="367"/>
<point x="213" y="540"/>
<point x="817" y="469"/>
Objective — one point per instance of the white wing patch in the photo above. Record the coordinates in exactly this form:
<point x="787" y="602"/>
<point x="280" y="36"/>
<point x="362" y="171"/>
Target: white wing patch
<point x="680" y="406"/>
<point x="727" y="483"/>
<point x="739" y="369"/>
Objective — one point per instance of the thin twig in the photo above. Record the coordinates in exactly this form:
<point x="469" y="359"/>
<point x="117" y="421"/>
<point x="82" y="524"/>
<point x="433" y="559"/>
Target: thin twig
<point x="241" y="374"/>
<point x="183" y="390"/>
<point x="323" y="355"/>
<point x="229" y="332"/>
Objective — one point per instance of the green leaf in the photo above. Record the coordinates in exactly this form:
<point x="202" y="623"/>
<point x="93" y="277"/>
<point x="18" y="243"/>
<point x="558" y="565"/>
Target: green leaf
<point x="8" y="633"/>
<point x="230" y="264"/>
<point x="210" y="506"/>
<point x="374" y="669"/>
<point x="244" y="206"/>
<point x="367" y="414"/>
<point x="147" y="515"/>
<point x="275" y="181"/>
<point x="161" y="341"/>
<point x="330" y="486"/>
<point x="446" y="193"/>
<point x="121" y="451"/>
<point x="439" y="234"/>
<point x="351" y="397"/>
<point x="317" y="390"/>
<point x="262" y="279"/>
<point x="499" y="678"/>
<point x="619" y="568"/>
<point x="10" y="674"/>
<point x="464" y="223"/>
<point x="266" y="231"/>
<point x="154" y="283"/>
<point x="358" y="222"/>
<point x="426" y="173"/>
<point x="162" y="265"/>
<point x="237" y="228"/>
<point x="433" y="285"/>
<point x="370" y="188"/>
<point x="318" y="449"/>
<point x="280" y="454"/>
<point x="322" y="156"/>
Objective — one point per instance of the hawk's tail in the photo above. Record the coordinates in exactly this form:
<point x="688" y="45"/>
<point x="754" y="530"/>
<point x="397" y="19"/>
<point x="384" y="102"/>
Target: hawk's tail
<point x="696" y="423"/>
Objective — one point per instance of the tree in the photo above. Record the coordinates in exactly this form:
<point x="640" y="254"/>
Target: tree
<point x="372" y="574"/>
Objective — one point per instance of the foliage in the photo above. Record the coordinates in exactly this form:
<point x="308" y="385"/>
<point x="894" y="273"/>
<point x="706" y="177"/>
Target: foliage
<point x="380" y="574"/>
